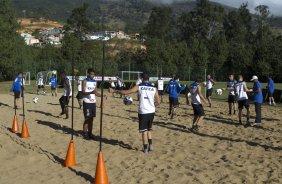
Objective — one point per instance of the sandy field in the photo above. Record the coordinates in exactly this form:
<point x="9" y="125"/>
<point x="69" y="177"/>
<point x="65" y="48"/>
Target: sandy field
<point x="220" y="152"/>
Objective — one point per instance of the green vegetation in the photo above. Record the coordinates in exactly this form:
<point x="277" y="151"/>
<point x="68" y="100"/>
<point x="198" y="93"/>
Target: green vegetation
<point x="186" y="43"/>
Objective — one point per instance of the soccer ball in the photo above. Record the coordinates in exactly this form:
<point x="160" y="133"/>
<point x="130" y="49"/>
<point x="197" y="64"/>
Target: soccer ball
<point x="205" y="83"/>
<point x="35" y="100"/>
<point x="189" y="94"/>
<point x="219" y="91"/>
<point x="127" y="100"/>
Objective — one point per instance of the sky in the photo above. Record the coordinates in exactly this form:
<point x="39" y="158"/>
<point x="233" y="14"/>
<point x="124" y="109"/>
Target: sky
<point x="275" y="6"/>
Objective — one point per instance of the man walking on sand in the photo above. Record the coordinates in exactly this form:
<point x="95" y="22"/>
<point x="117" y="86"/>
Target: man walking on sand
<point x="64" y="100"/>
<point x="258" y="99"/>
<point x="243" y="100"/>
<point x="196" y="94"/>
<point x="148" y="99"/>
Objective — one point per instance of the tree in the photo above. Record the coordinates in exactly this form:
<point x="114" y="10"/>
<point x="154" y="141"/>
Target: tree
<point x="11" y="45"/>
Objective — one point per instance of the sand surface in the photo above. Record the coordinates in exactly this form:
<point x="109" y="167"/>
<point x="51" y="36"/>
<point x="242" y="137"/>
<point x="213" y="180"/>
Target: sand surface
<point x="220" y="152"/>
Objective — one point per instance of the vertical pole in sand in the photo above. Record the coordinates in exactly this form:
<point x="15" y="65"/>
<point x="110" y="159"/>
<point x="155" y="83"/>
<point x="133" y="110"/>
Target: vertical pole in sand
<point x="22" y="89"/>
<point x="102" y="98"/>
<point x="72" y="97"/>
<point x="205" y="82"/>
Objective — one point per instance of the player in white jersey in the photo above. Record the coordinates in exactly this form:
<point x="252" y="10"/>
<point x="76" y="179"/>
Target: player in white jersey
<point x="196" y="94"/>
<point x="40" y="84"/>
<point x="210" y="84"/>
<point x="161" y="88"/>
<point x="112" y="85"/>
<point x="149" y="98"/>
<point x="89" y="91"/>
<point x="64" y="100"/>
<point x="243" y="100"/>
<point x="79" y="95"/>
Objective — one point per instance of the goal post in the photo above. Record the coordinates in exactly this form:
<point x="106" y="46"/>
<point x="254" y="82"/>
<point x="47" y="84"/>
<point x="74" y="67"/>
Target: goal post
<point x="130" y="75"/>
<point x="46" y="76"/>
<point x="26" y="78"/>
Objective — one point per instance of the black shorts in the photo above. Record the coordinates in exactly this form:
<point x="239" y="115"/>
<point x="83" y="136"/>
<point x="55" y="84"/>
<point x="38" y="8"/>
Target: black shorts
<point x="173" y="101"/>
<point x="232" y="99"/>
<point x="53" y="88"/>
<point x="161" y="92"/>
<point x="40" y="86"/>
<point x="270" y="94"/>
<point x="243" y="103"/>
<point x="79" y="95"/>
<point x="198" y="109"/>
<point x="209" y="92"/>
<point x="66" y="100"/>
<point x="145" y="121"/>
<point x="17" y="94"/>
<point x="89" y="110"/>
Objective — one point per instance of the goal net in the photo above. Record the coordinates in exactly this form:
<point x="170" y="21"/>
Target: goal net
<point x="130" y="75"/>
<point x="46" y="75"/>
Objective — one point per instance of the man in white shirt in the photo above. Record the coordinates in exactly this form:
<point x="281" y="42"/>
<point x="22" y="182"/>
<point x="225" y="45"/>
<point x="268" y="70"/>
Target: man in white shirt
<point x="148" y="99"/>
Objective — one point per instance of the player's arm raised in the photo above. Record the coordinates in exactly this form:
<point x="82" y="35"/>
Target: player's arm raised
<point x="127" y="92"/>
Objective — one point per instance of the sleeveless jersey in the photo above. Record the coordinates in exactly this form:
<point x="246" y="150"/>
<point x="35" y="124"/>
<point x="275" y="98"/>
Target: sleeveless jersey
<point x="146" y="94"/>
<point x="242" y="94"/>
<point x="231" y="85"/>
<point x="194" y="93"/>
<point x="209" y="84"/>
<point x="160" y="85"/>
<point x="89" y="87"/>
<point x="79" y="85"/>
<point x="40" y="81"/>
<point x="65" y="86"/>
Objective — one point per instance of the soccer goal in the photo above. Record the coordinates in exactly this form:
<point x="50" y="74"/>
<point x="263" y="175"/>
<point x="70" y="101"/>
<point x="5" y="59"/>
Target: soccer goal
<point x="26" y="78"/>
<point x="130" y="75"/>
<point x="46" y="75"/>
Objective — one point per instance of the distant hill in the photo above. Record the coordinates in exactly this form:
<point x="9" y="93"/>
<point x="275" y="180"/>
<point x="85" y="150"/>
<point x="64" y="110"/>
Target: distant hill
<point x="127" y="15"/>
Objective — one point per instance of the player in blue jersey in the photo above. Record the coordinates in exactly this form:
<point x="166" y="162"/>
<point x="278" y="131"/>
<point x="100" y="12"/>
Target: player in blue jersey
<point x="54" y="83"/>
<point x="270" y="91"/>
<point x="148" y="100"/>
<point x="232" y="98"/>
<point x="258" y="99"/>
<point x="174" y="89"/>
<point x="17" y="88"/>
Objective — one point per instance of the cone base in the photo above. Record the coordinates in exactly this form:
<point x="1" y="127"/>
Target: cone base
<point x="25" y="133"/>
<point x="15" y="126"/>
<point x="70" y="157"/>
<point x="101" y="176"/>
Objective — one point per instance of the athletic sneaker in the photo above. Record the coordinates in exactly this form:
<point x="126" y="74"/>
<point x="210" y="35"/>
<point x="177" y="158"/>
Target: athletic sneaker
<point x="151" y="147"/>
<point x="247" y="124"/>
<point x="255" y="124"/>
<point x="269" y="103"/>
<point x="86" y="136"/>
<point x="274" y="103"/>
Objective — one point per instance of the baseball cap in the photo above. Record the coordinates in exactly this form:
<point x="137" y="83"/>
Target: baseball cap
<point x="254" y="78"/>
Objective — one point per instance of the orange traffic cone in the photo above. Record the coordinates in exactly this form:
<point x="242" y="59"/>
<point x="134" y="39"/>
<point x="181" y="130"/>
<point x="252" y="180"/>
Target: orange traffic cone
<point x="25" y="133"/>
<point x="15" y="127"/>
<point x="70" y="157"/>
<point x="101" y="176"/>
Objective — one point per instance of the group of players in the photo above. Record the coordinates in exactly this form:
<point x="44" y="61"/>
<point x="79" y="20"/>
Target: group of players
<point x="150" y="97"/>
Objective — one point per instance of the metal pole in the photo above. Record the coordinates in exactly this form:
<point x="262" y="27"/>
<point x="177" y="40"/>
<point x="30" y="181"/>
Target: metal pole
<point x="22" y="88"/>
<point x="102" y="98"/>
<point x="205" y="82"/>
<point x="72" y="98"/>
<point x="129" y="72"/>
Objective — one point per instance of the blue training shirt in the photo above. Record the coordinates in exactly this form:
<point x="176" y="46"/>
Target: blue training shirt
<point x="17" y="84"/>
<point x="258" y="98"/>
<point x="271" y="86"/>
<point x="174" y="89"/>
<point x="53" y="82"/>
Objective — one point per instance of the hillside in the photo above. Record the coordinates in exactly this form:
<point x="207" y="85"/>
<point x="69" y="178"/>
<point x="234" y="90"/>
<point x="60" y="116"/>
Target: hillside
<point x="127" y="15"/>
